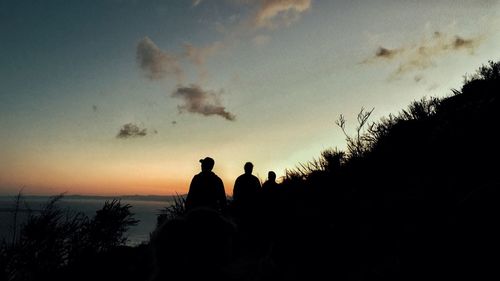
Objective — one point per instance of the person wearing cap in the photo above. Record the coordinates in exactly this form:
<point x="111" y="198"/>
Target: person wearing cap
<point x="206" y="189"/>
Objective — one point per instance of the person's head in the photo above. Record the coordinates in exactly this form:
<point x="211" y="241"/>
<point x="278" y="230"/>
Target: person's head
<point x="248" y="167"/>
<point x="271" y="176"/>
<point x="207" y="164"/>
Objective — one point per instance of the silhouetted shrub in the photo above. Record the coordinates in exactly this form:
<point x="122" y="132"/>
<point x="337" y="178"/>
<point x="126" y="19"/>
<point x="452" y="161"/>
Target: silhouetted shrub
<point x="358" y="144"/>
<point x="330" y="161"/>
<point x="44" y="243"/>
<point x="108" y="226"/>
<point x="489" y="72"/>
<point x="53" y="239"/>
<point x="173" y="211"/>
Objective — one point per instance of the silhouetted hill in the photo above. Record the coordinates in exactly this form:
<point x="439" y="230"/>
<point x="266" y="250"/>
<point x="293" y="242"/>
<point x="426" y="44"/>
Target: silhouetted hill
<point x="415" y="193"/>
<point x="413" y="197"/>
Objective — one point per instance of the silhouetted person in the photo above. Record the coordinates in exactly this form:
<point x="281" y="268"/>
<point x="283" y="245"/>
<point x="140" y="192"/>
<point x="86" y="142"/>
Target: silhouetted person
<point x="206" y="189"/>
<point x="270" y="185"/>
<point x="270" y="193"/>
<point x="245" y="197"/>
<point x="246" y="187"/>
<point x="271" y="202"/>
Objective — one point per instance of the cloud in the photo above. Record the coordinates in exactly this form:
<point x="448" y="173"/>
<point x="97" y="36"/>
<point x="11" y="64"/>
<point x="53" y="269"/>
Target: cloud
<point x="197" y="100"/>
<point x="386" y="53"/>
<point x="422" y="55"/>
<point x="383" y="53"/>
<point x="196" y="2"/>
<point x="159" y="64"/>
<point x="198" y="55"/>
<point x="460" y="43"/>
<point x="276" y="13"/>
<point x="156" y="63"/>
<point x="131" y="130"/>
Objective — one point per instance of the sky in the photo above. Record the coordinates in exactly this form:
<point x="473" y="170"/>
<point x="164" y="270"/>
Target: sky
<point x="113" y="97"/>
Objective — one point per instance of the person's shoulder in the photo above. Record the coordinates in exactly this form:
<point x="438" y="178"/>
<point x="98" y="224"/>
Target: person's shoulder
<point x="215" y="176"/>
<point x="196" y="179"/>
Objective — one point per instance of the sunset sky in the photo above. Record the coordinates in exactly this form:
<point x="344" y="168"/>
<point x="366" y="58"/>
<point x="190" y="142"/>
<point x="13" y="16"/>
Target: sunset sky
<point x="124" y="97"/>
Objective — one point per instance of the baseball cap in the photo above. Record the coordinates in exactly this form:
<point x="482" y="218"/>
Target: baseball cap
<point x="207" y="160"/>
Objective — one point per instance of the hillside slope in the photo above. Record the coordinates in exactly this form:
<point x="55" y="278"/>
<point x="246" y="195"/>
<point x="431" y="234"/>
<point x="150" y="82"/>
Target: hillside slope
<point x="416" y="194"/>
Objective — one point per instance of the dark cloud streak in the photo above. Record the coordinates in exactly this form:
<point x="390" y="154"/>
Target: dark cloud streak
<point x="386" y="53"/>
<point x="460" y="43"/>
<point x="197" y="100"/>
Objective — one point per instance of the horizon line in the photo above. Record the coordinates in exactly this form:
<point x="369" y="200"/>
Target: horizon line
<point x="92" y="195"/>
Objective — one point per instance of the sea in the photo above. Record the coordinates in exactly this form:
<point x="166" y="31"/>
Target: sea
<point x="144" y="208"/>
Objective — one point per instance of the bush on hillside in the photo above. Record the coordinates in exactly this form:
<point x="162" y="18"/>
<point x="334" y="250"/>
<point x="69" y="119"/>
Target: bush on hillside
<point x="53" y="239"/>
<point x="173" y="211"/>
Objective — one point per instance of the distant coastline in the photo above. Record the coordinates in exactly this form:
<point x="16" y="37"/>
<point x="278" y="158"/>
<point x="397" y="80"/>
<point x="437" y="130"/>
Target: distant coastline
<point x="100" y="197"/>
<point x="44" y="198"/>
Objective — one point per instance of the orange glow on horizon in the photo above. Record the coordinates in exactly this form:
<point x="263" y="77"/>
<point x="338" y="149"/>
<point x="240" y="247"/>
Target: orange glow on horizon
<point x="106" y="185"/>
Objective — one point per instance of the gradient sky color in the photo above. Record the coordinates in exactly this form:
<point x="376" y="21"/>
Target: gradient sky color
<point x="237" y="80"/>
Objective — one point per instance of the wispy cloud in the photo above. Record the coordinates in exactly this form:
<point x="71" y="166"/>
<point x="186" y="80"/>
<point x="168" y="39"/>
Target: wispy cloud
<point x="461" y="43"/>
<point x="276" y="13"/>
<point x="131" y="130"/>
<point x="198" y="55"/>
<point x="197" y="100"/>
<point x="249" y="27"/>
<point x="422" y="55"/>
<point x="156" y="63"/>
